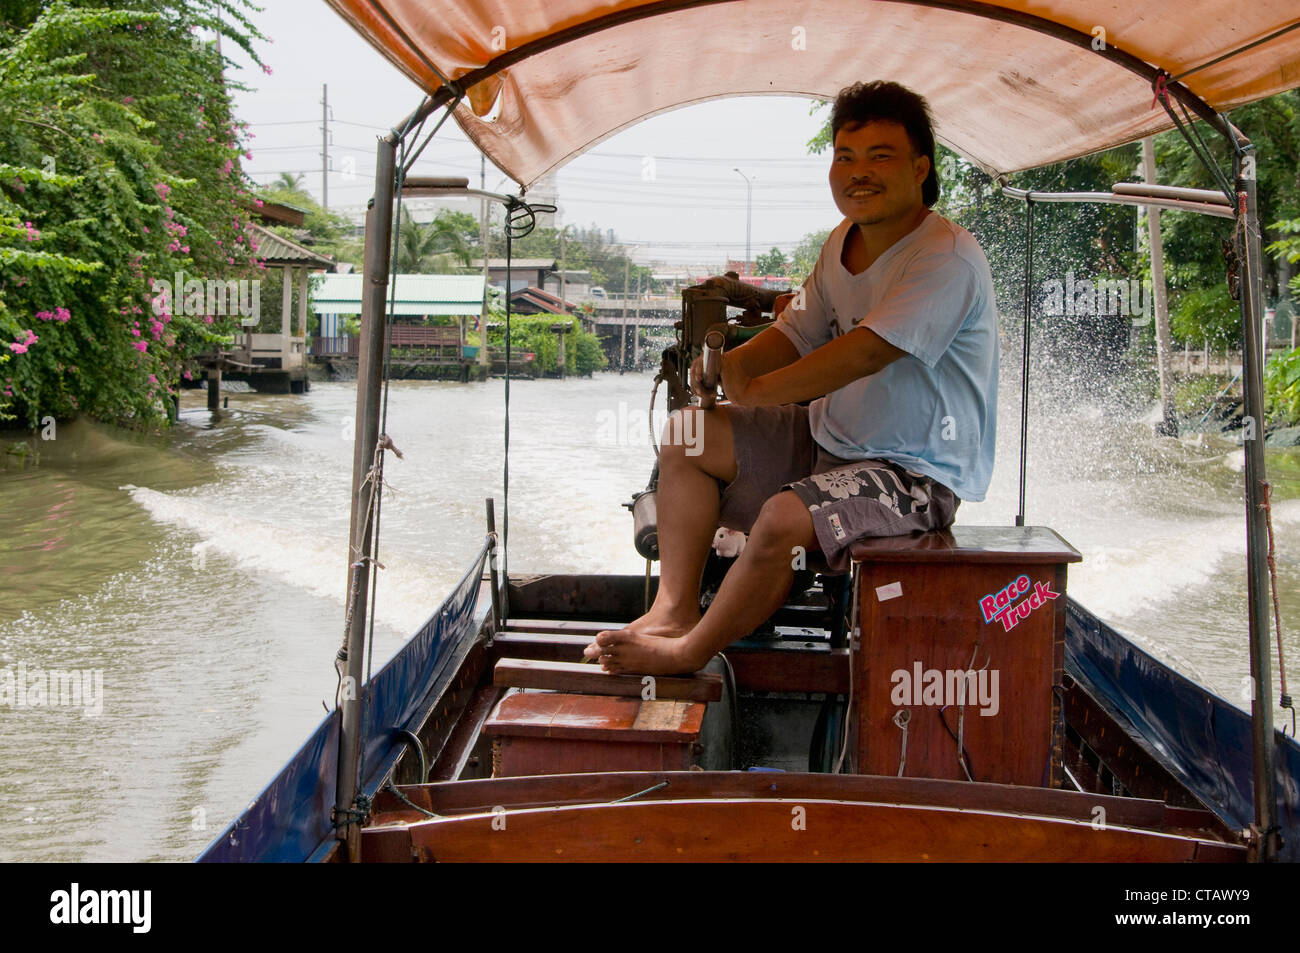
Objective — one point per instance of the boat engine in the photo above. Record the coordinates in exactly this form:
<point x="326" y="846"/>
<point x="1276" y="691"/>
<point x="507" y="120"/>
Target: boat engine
<point x="705" y="323"/>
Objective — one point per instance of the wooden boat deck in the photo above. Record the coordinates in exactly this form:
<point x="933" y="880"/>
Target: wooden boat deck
<point x="1117" y="803"/>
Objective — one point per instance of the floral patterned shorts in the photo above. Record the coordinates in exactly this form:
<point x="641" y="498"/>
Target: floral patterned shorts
<point x="849" y="499"/>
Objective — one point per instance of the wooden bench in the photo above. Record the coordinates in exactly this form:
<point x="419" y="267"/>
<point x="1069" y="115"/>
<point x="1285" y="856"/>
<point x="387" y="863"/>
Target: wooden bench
<point x="936" y="607"/>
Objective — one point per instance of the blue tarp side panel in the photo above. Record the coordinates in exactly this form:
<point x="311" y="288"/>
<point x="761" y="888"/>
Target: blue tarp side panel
<point x="290" y="819"/>
<point x="292" y="814"/>
<point x="1202" y="740"/>
<point x="397" y="696"/>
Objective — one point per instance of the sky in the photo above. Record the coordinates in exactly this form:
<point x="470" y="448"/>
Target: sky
<point x="692" y="212"/>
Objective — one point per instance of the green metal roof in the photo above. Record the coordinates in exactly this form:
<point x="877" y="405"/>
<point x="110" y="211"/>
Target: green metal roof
<point x="433" y="295"/>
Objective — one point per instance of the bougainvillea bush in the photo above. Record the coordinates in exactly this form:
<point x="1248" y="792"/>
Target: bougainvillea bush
<point x="119" y="168"/>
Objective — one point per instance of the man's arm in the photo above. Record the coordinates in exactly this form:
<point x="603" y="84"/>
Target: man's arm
<point x="848" y="357"/>
<point x="767" y="351"/>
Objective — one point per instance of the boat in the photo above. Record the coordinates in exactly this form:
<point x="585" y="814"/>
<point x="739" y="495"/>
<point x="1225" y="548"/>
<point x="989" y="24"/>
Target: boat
<point x="485" y="737"/>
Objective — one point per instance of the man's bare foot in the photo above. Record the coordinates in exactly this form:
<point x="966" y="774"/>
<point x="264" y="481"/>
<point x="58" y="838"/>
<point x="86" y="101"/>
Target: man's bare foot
<point x="668" y="625"/>
<point x="656" y="622"/>
<point x="624" y="651"/>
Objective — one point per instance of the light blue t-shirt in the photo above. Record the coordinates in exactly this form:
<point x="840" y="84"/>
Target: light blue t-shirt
<point x="934" y="410"/>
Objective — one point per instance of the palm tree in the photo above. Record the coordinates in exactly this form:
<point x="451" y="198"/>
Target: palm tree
<point x="435" y="247"/>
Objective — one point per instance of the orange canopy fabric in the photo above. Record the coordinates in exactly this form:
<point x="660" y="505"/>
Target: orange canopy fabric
<point x="1006" y="96"/>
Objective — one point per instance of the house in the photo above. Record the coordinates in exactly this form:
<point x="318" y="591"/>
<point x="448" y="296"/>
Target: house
<point x="415" y="299"/>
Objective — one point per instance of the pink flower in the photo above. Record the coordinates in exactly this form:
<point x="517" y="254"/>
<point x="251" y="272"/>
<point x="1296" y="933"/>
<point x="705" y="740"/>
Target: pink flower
<point x="141" y="346"/>
<point x="128" y="99"/>
<point x="266" y="69"/>
<point x="18" y="348"/>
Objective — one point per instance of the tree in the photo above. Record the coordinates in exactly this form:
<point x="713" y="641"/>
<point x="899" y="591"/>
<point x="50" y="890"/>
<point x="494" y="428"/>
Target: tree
<point x="433" y="248"/>
<point x="119" y="169"/>
<point x="772" y="263"/>
<point x="805" y="255"/>
<point x="289" y="182"/>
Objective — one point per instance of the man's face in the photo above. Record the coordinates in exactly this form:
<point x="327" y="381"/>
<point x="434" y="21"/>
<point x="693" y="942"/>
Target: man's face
<point x="875" y="177"/>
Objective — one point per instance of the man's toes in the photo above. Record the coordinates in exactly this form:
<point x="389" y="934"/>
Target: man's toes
<point x="613" y="638"/>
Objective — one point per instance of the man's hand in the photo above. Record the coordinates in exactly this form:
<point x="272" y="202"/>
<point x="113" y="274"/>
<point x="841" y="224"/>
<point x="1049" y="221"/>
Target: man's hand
<point x="735" y="380"/>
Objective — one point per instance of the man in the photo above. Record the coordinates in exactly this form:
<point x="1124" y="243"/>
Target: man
<point x="896" y="338"/>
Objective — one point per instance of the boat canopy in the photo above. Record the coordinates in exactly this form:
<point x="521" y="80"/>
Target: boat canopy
<point x="1012" y="85"/>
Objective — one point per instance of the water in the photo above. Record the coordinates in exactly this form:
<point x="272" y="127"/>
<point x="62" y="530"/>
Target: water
<point x="202" y="572"/>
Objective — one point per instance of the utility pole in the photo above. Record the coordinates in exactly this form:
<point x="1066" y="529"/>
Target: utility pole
<point x="749" y="210"/>
<point x="1168" y="426"/>
<point x="324" y="146"/>
<point x="622" y="334"/>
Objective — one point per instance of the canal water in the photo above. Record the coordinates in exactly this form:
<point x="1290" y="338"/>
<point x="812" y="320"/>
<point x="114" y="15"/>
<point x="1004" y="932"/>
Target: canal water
<point x="199" y="575"/>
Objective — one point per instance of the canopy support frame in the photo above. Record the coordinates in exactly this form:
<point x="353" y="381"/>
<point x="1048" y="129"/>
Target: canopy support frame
<point x="1265" y="834"/>
<point x="450" y="90"/>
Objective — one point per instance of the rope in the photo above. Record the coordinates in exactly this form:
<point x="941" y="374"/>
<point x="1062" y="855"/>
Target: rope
<point x="902" y="718"/>
<point x="1285" y="700"/>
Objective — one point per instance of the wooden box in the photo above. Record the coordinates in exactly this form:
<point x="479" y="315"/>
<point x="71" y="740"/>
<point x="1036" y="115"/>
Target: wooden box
<point x="962" y="632"/>
<point x="560" y="733"/>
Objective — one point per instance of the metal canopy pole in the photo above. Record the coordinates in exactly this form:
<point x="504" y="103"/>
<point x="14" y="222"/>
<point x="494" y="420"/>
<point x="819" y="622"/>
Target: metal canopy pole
<point x="1257" y="576"/>
<point x="379" y="227"/>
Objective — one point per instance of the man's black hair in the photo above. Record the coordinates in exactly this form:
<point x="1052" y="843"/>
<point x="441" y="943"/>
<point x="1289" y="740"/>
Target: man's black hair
<point x="880" y="101"/>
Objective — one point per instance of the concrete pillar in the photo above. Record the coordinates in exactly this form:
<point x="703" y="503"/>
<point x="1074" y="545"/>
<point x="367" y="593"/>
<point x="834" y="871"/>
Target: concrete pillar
<point x="302" y="302"/>
<point x="286" y="306"/>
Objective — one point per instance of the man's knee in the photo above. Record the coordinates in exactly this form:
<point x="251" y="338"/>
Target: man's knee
<point x="783" y="522"/>
<point x="702" y="437"/>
